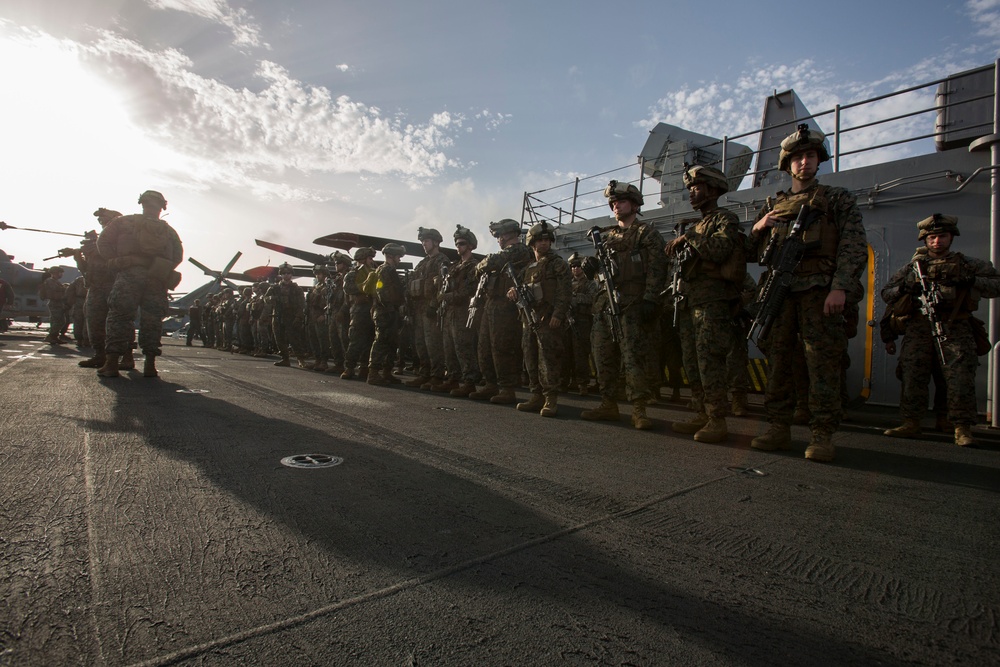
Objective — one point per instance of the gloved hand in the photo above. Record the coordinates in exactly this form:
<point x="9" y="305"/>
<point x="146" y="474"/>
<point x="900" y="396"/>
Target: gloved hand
<point x="648" y="310"/>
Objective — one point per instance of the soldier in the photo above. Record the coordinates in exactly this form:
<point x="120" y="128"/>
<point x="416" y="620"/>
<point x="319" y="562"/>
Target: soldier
<point x="76" y="297"/>
<point x="338" y="314"/>
<point x="711" y="279"/>
<point x="959" y="282"/>
<point x="287" y="309"/>
<point x="835" y="255"/>
<point x="499" y="345"/>
<point x="386" y="289"/>
<point x="362" y="328"/>
<point x="549" y="281"/>
<point x="460" y="340"/>
<point x="144" y="250"/>
<point x="208" y="326"/>
<point x="244" y="321"/>
<point x="576" y="362"/>
<point x="194" y="323"/>
<point x="53" y="292"/>
<point x="263" y="312"/>
<point x="316" y="303"/>
<point x="423" y="289"/>
<point x="637" y="249"/>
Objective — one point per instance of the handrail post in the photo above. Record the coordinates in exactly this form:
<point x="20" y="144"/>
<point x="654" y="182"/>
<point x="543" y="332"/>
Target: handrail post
<point x="576" y="188"/>
<point x="994" y="325"/>
<point x="836" y="139"/>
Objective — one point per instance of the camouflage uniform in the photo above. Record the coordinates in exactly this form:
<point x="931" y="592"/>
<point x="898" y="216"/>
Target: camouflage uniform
<point x="738" y="357"/>
<point x="834" y="263"/>
<point x="142" y="280"/>
<point x="288" y="304"/>
<point x="316" y="305"/>
<point x="460" y="340"/>
<point x="706" y="311"/>
<point x="962" y="281"/>
<point x="386" y="288"/>
<point x="338" y="319"/>
<point x="361" y="333"/>
<point x="577" y="336"/>
<point x="499" y="346"/>
<point x="54" y="293"/>
<point x="422" y="289"/>
<point x="638" y="253"/>
<point x="194" y="324"/>
<point x="549" y="279"/>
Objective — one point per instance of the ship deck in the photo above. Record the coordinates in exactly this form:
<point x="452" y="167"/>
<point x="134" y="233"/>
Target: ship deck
<point x="151" y="521"/>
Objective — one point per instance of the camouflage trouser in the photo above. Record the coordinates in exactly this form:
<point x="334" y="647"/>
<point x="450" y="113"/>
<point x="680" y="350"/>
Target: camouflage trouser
<point x="360" y="335"/>
<point x="263" y="338"/>
<point x="428" y="341"/>
<point x="706" y="332"/>
<point x="637" y="353"/>
<point x="917" y="361"/>
<point x="57" y="317"/>
<point x="576" y="351"/>
<point x="288" y="332"/>
<point x="246" y="335"/>
<point x="736" y="362"/>
<point x="134" y="290"/>
<point x="499" y="346"/>
<point x="823" y="342"/>
<point x="543" y="350"/>
<point x="96" y="308"/>
<point x="80" y="322"/>
<point x="387" y="324"/>
<point x="321" y="345"/>
<point x="460" y="346"/>
<point x="334" y="327"/>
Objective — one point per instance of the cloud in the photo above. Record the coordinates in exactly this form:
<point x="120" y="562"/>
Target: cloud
<point x="285" y="126"/>
<point x="986" y="15"/>
<point x="343" y="67"/>
<point x="239" y="21"/>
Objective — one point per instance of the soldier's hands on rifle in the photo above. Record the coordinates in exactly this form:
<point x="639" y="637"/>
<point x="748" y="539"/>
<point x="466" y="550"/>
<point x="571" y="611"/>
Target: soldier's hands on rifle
<point x="768" y="220"/>
<point x="555" y="322"/>
<point x="512" y="294"/>
<point x="675" y="246"/>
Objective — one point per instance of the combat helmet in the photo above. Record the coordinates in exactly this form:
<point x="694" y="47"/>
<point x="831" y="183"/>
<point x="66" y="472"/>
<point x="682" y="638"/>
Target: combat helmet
<point x="340" y="258"/>
<point x="710" y="176"/>
<point x="801" y="140"/>
<point x="284" y="268"/>
<point x="465" y="234"/>
<point x="106" y="215"/>
<point x="937" y="224"/>
<point x="321" y="268"/>
<point x="428" y="233"/>
<point x="153" y="195"/>
<point x="617" y="190"/>
<point x="575" y="260"/>
<point x="394" y="250"/>
<point x="541" y="230"/>
<point x="505" y="226"/>
<point x="361" y="254"/>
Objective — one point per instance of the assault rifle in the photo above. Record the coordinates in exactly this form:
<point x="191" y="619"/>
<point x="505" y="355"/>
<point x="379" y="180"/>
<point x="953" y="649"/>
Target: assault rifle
<point x="607" y="269"/>
<point x="525" y="297"/>
<point x="677" y="263"/>
<point x="929" y="299"/>
<point x="477" y="300"/>
<point x="779" y="279"/>
<point x="445" y="287"/>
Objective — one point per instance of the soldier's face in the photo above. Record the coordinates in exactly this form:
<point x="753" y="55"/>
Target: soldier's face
<point x="698" y="195"/>
<point x="938" y="243"/>
<point x="542" y="246"/>
<point x="623" y="208"/>
<point x="429" y="244"/>
<point x="804" y="164"/>
<point x="577" y="270"/>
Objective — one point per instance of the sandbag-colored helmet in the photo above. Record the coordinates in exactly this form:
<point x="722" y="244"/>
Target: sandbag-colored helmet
<point x="361" y="254"/>
<point x="393" y="249"/>
<point x="937" y="224"/>
<point x="465" y="234"/>
<point x="321" y="268"/>
<point x="428" y="233"/>
<point x="541" y="230"/>
<point x="709" y="176"/>
<point x="285" y="268"/>
<point x="505" y="226"/>
<point x="802" y="139"/>
<point x="618" y="190"/>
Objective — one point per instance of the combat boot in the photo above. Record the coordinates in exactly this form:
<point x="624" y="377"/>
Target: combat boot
<point x="693" y="425"/>
<point x="446" y="386"/>
<point x="95" y="361"/>
<point x="943" y="424"/>
<point x="778" y="436"/>
<point x="376" y="379"/>
<point x="505" y="396"/>
<point x="820" y="447"/>
<point x="127" y="362"/>
<point x="714" y="431"/>
<point x="363" y="373"/>
<point x="110" y="367"/>
<point x="322" y="367"/>
<point x="418" y="381"/>
<point x="910" y="428"/>
<point x="551" y="406"/>
<point x="463" y="390"/>
<point x="337" y="369"/>
<point x="639" y="418"/>
<point x="348" y="374"/>
<point x="606" y="411"/>
<point x="149" y="366"/>
<point x="284" y="361"/>
<point x="302" y="363"/>
<point x="963" y="435"/>
<point x="533" y="404"/>
<point x="739" y="407"/>
<point x="487" y="392"/>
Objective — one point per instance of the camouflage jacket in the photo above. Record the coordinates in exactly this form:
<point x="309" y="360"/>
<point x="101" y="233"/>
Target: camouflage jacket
<point x="584" y="293"/>
<point x="714" y="239"/>
<point x="961" y="281"/>
<point x="642" y="266"/>
<point x="551" y="281"/>
<point x="461" y="284"/>
<point x="425" y="279"/>
<point x="517" y="255"/>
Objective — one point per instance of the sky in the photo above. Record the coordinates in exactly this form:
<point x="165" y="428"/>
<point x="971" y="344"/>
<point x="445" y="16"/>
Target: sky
<point x="287" y="121"/>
